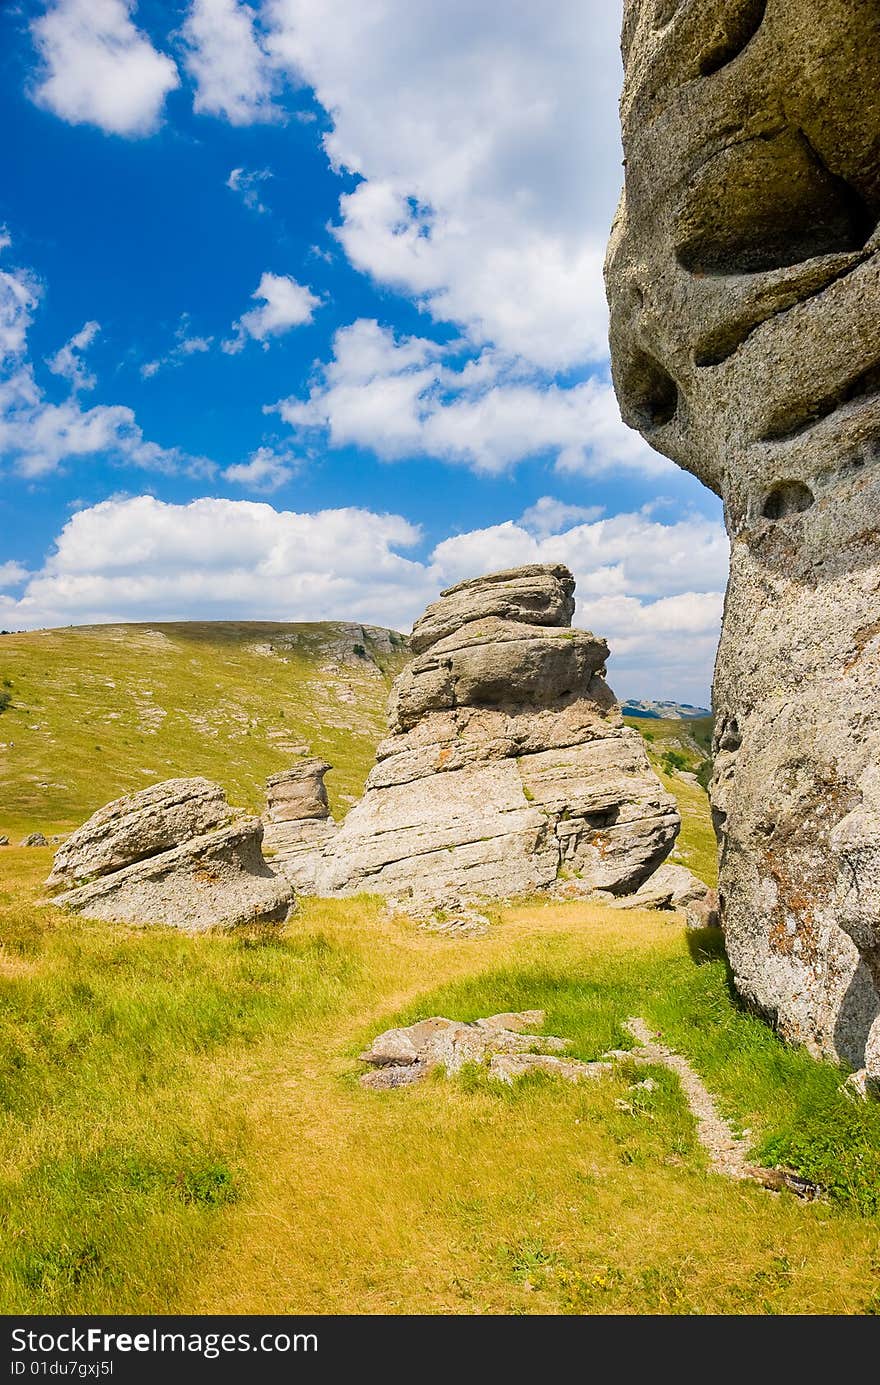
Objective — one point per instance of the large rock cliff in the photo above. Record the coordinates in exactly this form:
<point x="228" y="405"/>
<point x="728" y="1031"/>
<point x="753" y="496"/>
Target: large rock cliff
<point x="744" y="283"/>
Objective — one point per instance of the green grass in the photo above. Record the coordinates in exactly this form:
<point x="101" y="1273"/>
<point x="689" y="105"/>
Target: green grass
<point x="685" y="745"/>
<point x="95" y="712"/>
<point x="182" y="1129"/>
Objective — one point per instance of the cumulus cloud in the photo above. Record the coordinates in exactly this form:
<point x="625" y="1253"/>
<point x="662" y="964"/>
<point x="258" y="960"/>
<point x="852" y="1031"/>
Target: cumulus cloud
<point x="246" y="182"/>
<point x="488" y="151"/>
<point x="549" y="516"/>
<point x="264" y="471"/>
<point x="398" y="398"/>
<point x="140" y="558"/>
<point x="98" y="68"/>
<point x="284" y="304"/>
<point x="12" y="574"/>
<point x="653" y="590"/>
<point x="226" y="60"/>
<point x="68" y="363"/>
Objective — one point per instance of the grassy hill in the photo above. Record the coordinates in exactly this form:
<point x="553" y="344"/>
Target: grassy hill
<point x="181" y="1124"/>
<point x="91" y="712"/>
<point x="97" y="711"/>
<point x="679" y="752"/>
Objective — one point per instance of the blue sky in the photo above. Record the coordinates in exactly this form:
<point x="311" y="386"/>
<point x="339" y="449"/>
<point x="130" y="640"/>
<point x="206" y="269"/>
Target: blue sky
<point x="301" y="317"/>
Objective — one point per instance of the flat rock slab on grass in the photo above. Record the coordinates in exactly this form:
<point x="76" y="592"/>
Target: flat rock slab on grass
<point x="502" y="1044"/>
<point x="403" y="1056"/>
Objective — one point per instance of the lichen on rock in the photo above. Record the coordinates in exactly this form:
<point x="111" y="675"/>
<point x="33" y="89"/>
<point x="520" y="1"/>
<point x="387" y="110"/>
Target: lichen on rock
<point x="744" y="282"/>
<point x="507" y="760"/>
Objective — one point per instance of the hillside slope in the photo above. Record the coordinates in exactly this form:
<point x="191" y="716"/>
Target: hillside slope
<point x="97" y="711"/>
<point x="679" y="751"/>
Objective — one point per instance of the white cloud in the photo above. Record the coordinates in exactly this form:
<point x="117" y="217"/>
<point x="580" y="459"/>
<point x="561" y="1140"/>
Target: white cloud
<point x="487" y="141"/>
<point x="653" y="590"/>
<point x="19" y="295"/>
<point x="397" y="398"/>
<point x="264" y="471"/>
<point x="185" y="344"/>
<point x="549" y="516"/>
<point x="285" y="304"/>
<point x="36" y="436"/>
<point x="98" y="68"/>
<point x="68" y="363"/>
<point x="142" y="559"/>
<point x="246" y="182"/>
<point x="12" y="574"/>
<point x="224" y="57"/>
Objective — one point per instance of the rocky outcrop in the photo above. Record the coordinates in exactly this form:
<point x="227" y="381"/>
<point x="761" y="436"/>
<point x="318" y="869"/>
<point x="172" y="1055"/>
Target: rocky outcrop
<point x="670" y="887"/>
<point x="173" y="854"/>
<point x="297" y="822"/>
<point x="744" y="282"/>
<point x="507" y="761"/>
<point x="400" y="1057"/>
<point x="139" y="826"/>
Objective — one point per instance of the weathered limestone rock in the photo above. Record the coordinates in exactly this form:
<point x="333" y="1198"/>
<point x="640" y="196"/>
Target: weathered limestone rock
<point x="744" y="282"/>
<point x="534" y="595"/>
<point x="139" y="826"/>
<point x="670" y="887"/>
<point x="703" y="913"/>
<point x="298" y="825"/>
<point x="402" y="1056"/>
<point x="35" y="839"/>
<point x="508" y="760"/>
<point x="172" y="854"/>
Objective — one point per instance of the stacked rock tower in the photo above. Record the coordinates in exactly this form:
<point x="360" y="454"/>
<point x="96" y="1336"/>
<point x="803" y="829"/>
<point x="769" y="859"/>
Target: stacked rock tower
<point x="508" y="762"/>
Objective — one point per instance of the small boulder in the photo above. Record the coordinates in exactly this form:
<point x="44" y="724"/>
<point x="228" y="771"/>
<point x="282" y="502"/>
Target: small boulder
<point x="298" y="793"/>
<point x="139" y="826"/>
<point x="297" y="820"/>
<point x="35" y="839"/>
<point x="175" y="854"/>
<point x="704" y="913"/>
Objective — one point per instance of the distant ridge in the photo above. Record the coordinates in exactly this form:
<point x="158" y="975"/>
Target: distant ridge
<point x="671" y="711"/>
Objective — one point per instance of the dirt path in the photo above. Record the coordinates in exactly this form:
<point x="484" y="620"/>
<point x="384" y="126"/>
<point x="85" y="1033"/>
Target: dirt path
<point x="728" y="1153"/>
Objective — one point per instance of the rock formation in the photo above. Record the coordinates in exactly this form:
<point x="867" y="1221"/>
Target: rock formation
<point x="744" y="282"/>
<point x="297" y="822"/>
<point x="176" y="854"/>
<point x="507" y="761"/>
<point x="400" y="1057"/>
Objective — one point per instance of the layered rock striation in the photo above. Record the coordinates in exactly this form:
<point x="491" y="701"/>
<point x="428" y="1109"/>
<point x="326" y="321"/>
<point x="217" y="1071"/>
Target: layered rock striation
<point x="175" y="854"/>
<point x="297" y="822"/>
<point x="507" y="761"/>
<point x="744" y="283"/>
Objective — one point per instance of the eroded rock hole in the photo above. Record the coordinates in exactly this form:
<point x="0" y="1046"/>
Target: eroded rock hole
<point x="735" y="31"/>
<point x="768" y="203"/>
<point x="649" y="392"/>
<point x="602" y="818"/>
<point x="787" y="498"/>
<point x="797" y="417"/>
